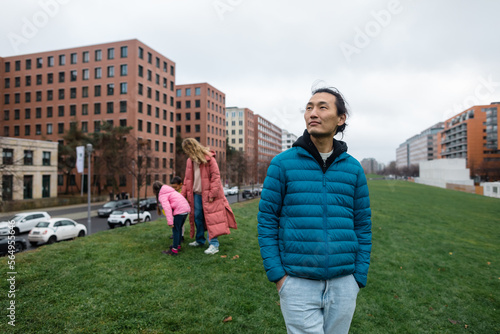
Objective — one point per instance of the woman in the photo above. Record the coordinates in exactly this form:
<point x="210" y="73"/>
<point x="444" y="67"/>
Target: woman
<point x="210" y="210"/>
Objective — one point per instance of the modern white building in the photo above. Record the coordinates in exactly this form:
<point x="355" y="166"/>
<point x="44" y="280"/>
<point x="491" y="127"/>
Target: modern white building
<point x="287" y="139"/>
<point x="421" y="147"/>
<point x="491" y="189"/>
<point x="28" y="168"/>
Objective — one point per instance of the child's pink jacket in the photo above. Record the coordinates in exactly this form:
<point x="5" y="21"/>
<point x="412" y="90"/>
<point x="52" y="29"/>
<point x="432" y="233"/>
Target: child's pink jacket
<point x="172" y="203"/>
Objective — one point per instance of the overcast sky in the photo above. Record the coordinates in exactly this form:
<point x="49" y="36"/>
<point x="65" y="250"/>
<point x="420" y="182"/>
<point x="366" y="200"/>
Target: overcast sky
<point x="401" y="65"/>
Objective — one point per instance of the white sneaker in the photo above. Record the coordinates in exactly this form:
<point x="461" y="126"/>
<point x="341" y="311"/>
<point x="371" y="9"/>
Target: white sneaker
<point x="194" y="244"/>
<point x="212" y="250"/>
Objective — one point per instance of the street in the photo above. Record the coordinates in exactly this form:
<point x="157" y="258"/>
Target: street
<point x="79" y="213"/>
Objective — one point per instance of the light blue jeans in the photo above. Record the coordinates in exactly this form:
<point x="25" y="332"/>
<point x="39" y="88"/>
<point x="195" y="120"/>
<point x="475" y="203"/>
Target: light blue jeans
<point x="311" y="306"/>
<point x="199" y="220"/>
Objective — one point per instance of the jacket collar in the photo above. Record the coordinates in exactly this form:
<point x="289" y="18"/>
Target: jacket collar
<point x="306" y="143"/>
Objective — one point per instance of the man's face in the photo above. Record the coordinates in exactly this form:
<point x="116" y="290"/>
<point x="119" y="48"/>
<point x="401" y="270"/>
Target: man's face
<point x="321" y="115"/>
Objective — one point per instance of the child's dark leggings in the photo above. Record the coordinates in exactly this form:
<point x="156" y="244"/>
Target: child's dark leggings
<point x="177" y="229"/>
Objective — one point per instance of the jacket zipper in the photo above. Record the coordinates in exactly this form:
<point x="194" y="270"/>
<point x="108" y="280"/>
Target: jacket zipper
<point x="325" y="222"/>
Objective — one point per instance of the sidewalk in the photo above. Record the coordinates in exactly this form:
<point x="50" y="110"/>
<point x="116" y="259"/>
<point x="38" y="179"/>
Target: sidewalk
<point x="55" y="209"/>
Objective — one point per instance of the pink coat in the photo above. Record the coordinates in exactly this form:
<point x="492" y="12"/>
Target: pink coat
<point x="219" y="216"/>
<point x="172" y="203"/>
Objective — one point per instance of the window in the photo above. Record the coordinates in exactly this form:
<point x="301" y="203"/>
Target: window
<point x="85" y="109"/>
<point x="141" y="71"/>
<point x="197" y="103"/>
<point x="111" y="71"/>
<point x="17" y="98"/>
<point x="98" y="55"/>
<point x="28" y="80"/>
<point x="86" y="56"/>
<point x="178" y="92"/>
<point x="28" y="187"/>
<point x="7" y="83"/>
<point x="140" y="89"/>
<point x="27" y="130"/>
<point x="50" y="111"/>
<point x="8" y="156"/>
<point x="109" y="107"/>
<point x="111" y="53"/>
<point x="85" y="127"/>
<point x="7" y="99"/>
<point x="6" y="115"/>
<point x="111" y="89"/>
<point x="97" y="90"/>
<point x="50" y="61"/>
<point x="46" y="158"/>
<point x="27" y="97"/>
<point x="148" y="127"/>
<point x="150" y="74"/>
<point x="7" y="66"/>
<point x="38" y="129"/>
<point x="85" y="91"/>
<point x="124" y="52"/>
<point x="17" y="82"/>
<point x="50" y="78"/>
<point x="18" y="65"/>
<point x="73" y="75"/>
<point x="98" y="73"/>
<point x="123" y="70"/>
<point x="38" y="79"/>
<point x="50" y="95"/>
<point x="97" y="108"/>
<point x="123" y="88"/>
<point x="139" y="125"/>
<point x="188" y="91"/>
<point x="49" y="129"/>
<point x="62" y="60"/>
<point x="197" y="128"/>
<point x="188" y="128"/>
<point x="123" y="106"/>
<point x="61" y="94"/>
<point x="139" y="107"/>
<point x="46" y="185"/>
<point x="188" y="116"/>
<point x="73" y="58"/>
<point x="97" y="126"/>
<point x="197" y="91"/>
<point x="72" y="93"/>
<point x="60" y="111"/>
<point x="188" y="104"/>
<point x="72" y="110"/>
<point x="141" y="53"/>
<point x="150" y="58"/>
<point x="85" y="74"/>
<point x="60" y="127"/>
<point x="61" y="76"/>
<point x="38" y="96"/>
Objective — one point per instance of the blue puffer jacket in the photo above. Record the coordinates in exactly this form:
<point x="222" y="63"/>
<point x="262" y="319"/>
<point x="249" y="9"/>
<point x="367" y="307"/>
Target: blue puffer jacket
<point x="314" y="218"/>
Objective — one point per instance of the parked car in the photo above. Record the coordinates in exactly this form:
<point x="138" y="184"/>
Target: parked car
<point x="148" y="204"/>
<point x="23" y="222"/>
<point x="233" y="190"/>
<point x="111" y="206"/>
<point x="56" y="229"/>
<point x="127" y="217"/>
<point x="19" y="244"/>
<point x="247" y="193"/>
<point x="226" y="191"/>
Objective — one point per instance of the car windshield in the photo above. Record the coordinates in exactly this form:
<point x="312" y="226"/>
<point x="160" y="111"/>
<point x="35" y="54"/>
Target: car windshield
<point x="43" y="224"/>
<point x="16" y="218"/>
<point x="110" y="205"/>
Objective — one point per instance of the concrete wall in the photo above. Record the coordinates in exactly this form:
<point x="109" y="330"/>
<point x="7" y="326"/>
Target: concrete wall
<point x="442" y="171"/>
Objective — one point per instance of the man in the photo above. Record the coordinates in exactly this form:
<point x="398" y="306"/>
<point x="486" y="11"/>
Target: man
<point x="314" y="223"/>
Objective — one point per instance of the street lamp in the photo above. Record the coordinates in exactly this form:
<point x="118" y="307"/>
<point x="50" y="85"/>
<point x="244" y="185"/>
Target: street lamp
<point x="89" y="222"/>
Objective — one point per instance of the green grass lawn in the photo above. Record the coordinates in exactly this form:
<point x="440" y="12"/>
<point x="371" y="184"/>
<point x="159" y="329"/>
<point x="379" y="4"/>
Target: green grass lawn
<point x="435" y="269"/>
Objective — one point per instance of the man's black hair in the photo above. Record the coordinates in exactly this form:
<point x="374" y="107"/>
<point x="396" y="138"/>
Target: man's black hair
<point x="339" y="103"/>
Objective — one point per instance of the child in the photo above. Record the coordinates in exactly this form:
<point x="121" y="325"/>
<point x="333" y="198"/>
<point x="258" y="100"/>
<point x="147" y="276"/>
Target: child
<point x="176" y="208"/>
<point x="176" y="183"/>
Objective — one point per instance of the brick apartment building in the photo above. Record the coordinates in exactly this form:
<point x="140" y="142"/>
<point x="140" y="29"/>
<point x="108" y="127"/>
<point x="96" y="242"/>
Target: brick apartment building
<point x="240" y="131"/>
<point x="268" y="145"/>
<point x="201" y="114"/>
<point x="123" y="83"/>
<point x="473" y="135"/>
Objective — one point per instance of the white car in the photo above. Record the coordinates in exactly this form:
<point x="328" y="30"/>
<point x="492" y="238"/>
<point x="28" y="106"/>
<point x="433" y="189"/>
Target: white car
<point x="226" y="191"/>
<point x="233" y="190"/>
<point x="126" y="217"/>
<point x="23" y="222"/>
<point x="56" y="229"/>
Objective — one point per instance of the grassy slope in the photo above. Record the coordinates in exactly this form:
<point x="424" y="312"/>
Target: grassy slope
<point x="434" y="270"/>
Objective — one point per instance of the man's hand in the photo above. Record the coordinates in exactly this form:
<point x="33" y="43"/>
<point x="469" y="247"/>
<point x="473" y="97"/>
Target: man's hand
<point x="280" y="282"/>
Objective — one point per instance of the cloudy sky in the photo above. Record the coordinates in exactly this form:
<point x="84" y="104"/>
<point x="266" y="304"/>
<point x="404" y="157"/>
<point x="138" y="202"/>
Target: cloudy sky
<point x="402" y="65"/>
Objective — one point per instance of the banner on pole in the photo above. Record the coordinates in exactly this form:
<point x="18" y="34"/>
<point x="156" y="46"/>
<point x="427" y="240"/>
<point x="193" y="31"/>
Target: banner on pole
<point x="80" y="157"/>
